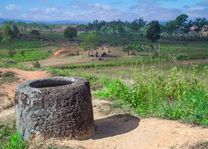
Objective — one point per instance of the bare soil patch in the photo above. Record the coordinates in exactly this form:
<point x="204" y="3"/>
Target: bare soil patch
<point x="7" y="89"/>
<point x="118" y="131"/>
<point x="67" y="54"/>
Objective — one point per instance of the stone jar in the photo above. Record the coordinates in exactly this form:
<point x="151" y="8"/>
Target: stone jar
<point x="57" y="107"/>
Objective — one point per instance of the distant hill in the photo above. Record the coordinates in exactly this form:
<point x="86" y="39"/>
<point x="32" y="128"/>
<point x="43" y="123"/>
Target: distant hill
<point x="2" y="20"/>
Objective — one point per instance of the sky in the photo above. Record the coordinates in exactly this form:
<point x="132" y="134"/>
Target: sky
<point x="88" y="10"/>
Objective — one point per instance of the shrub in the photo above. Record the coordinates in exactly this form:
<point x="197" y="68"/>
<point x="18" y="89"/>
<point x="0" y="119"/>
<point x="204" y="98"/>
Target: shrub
<point x="182" y="56"/>
<point x="8" y="61"/>
<point x="7" y="77"/>
<point x="9" y="139"/>
<point x="11" y="52"/>
<point x="36" y="64"/>
<point x="173" y="96"/>
<point x="35" y="33"/>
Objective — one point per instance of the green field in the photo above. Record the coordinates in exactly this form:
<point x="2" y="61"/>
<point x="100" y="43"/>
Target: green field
<point x="24" y="51"/>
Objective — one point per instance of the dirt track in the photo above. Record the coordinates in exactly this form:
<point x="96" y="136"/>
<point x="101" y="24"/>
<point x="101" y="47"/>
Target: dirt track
<point x="7" y="90"/>
<point x="121" y="131"/>
<point x="66" y="54"/>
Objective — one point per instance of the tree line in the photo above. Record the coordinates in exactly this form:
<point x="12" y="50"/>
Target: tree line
<point x="181" y="24"/>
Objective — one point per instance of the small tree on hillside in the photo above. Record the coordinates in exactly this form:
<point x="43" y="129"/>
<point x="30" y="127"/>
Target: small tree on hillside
<point x="7" y="35"/>
<point x="90" y="41"/>
<point x="7" y="38"/>
<point x="181" y="20"/>
<point x="153" y="32"/>
<point x="15" y="31"/>
<point x="70" y="33"/>
<point x="35" y="33"/>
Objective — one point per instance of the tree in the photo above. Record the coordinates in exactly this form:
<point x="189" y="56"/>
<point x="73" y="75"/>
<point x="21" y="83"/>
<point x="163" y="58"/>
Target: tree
<point x="15" y="31"/>
<point x="136" y="25"/>
<point x="187" y="26"/>
<point x="7" y="34"/>
<point x="200" y="23"/>
<point x="7" y="38"/>
<point x="181" y="20"/>
<point x="70" y="32"/>
<point x="90" y="41"/>
<point x="170" y="27"/>
<point x="35" y="33"/>
<point x="153" y="32"/>
<point x="178" y="23"/>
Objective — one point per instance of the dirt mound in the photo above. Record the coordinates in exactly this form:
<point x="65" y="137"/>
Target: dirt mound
<point x="67" y="50"/>
<point x="62" y="52"/>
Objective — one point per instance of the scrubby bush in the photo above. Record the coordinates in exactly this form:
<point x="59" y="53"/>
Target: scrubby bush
<point x="174" y="96"/>
<point x="7" y="62"/>
<point x="182" y="56"/>
<point x="70" y="32"/>
<point x="36" y="64"/>
<point x="35" y="33"/>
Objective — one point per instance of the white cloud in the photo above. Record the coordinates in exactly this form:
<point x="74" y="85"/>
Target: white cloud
<point x="50" y="10"/>
<point x="152" y="10"/>
<point x="11" y="7"/>
<point x="34" y="9"/>
<point x="83" y="10"/>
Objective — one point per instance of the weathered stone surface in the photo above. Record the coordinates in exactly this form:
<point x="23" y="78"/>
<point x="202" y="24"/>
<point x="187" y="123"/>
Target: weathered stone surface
<point x="55" y="107"/>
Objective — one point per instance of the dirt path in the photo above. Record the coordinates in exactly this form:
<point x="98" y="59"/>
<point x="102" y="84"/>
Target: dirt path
<point x="6" y="113"/>
<point x="67" y="54"/>
<point x="7" y="90"/>
<point x="117" y="130"/>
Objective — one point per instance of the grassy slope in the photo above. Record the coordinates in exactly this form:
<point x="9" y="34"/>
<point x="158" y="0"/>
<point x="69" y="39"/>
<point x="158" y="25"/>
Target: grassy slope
<point x="172" y="93"/>
<point x="25" y="50"/>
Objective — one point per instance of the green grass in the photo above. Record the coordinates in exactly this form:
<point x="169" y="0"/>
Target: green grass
<point x="9" y="63"/>
<point x="23" y="44"/>
<point x="53" y="36"/>
<point x="193" y="50"/>
<point x="24" y="50"/>
<point x="176" y="93"/>
<point x="169" y="48"/>
<point x="97" y="81"/>
<point x="10" y="139"/>
<point x="172" y="95"/>
<point x="31" y="56"/>
<point x="123" y="61"/>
